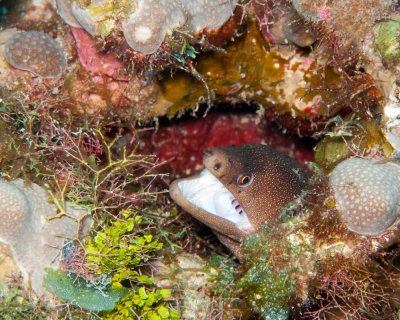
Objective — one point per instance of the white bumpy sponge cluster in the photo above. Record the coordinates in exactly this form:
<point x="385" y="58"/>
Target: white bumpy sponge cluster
<point x="367" y="194"/>
<point x="146" y="27"/>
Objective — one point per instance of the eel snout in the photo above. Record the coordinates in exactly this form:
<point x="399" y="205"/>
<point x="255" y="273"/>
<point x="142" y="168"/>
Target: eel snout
<point x="207" y="199"/>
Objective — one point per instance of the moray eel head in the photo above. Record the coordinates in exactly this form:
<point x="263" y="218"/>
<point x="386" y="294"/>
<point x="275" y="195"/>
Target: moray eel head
<point x="240" y="189"/>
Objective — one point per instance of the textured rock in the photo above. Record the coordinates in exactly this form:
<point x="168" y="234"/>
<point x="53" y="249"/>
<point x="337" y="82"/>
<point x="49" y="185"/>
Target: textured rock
<point x="35" y="52"/>
<point x="367" y="194"/>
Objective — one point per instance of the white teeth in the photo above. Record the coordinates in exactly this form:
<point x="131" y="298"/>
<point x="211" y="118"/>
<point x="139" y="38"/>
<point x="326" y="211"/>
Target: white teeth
<point x="208" y="193"/>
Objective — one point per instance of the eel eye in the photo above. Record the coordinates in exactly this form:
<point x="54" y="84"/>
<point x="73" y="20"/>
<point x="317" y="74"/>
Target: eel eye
<point x="244" y="180"/>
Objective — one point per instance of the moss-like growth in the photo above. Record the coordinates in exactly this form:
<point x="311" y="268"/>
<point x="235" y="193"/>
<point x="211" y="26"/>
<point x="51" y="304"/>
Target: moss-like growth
<point x="268" y="289"/>
<point x="349" y="136"/>
<point x="387" y="40"/>
<point x="144" y="304"/>
<point x="120" y="247"/>
<point x="15" y="304"/>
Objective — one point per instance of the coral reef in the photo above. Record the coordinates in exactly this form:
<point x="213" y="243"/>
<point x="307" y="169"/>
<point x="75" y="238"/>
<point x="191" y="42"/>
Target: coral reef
<point x="32" y="229"/>
<point x="351" y="136"/>
<point x="146" y="24"/>
<point x="280" y="23"/>
<point x="81" y="124"/>
<point x="366" y="194"/>
<point x="186" y="139"/>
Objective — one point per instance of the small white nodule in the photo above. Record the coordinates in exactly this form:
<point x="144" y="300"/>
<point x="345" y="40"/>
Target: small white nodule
<point x="143" y="34"/>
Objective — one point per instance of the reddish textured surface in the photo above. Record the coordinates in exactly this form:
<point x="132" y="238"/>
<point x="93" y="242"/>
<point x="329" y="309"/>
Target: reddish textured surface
<point x="219" y="36"/>
<point x="181" y="144"/>
<point x="93" y="61"/>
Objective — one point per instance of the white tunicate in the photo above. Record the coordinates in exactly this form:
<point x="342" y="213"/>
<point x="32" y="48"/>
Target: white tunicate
<point x="367" y="194"/>
<point x="145" y="29"/>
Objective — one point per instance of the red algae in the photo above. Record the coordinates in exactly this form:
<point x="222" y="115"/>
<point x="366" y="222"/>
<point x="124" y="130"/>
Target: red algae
<point x="92" y="60"/>
<point x="181" y="144"/>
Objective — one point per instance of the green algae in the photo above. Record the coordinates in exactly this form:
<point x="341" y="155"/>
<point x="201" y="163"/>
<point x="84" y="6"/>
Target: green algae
<point x="386" y="35"/>
<point x="347" y="140"/>
<point x="16" y="304"/>
<point x="82" y="293"/>
<point x="268" y="289"/>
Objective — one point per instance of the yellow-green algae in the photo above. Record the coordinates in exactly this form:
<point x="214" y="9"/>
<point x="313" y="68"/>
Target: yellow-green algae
<point x="386" y="35"/>
<point x="345" y="141"/>
<point x="248" y="70"/>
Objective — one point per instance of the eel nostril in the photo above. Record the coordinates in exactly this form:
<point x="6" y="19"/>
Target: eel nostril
<point x="207" y="153"/>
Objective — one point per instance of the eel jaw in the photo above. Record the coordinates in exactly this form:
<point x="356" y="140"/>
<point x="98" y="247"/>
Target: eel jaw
<point x="207" y="199"/>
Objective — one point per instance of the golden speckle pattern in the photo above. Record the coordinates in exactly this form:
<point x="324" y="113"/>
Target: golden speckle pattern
<point x="367" y="194"/>
<point x="35" y="52"/>
<point x="277" y="178"/>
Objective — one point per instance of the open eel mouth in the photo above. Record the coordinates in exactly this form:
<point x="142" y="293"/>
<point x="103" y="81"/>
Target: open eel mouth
<point x="206" y="193"/>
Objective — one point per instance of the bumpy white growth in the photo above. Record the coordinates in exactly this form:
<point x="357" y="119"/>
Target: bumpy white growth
<point x="164" y="16"/>
<point x="34" y="242"/>
<point x="146" y="27"/>
<point x="205" y="191"/>
<point x="367" y="194"/>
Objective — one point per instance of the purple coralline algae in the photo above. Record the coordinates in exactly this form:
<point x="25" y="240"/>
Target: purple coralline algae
<point x="35" y="52"/>
<point x="367" y="194"/>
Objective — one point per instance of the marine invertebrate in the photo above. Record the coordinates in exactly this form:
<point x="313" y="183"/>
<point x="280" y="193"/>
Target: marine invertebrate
<point x="300" y="86"/>
<point x="147" y="25"/>
<point x="27" y="227"/>
<point x="367" y="194"/>
<point x="241" y="189"/>
<point x="145" y="29"/>
<point x="35" y="52"/>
